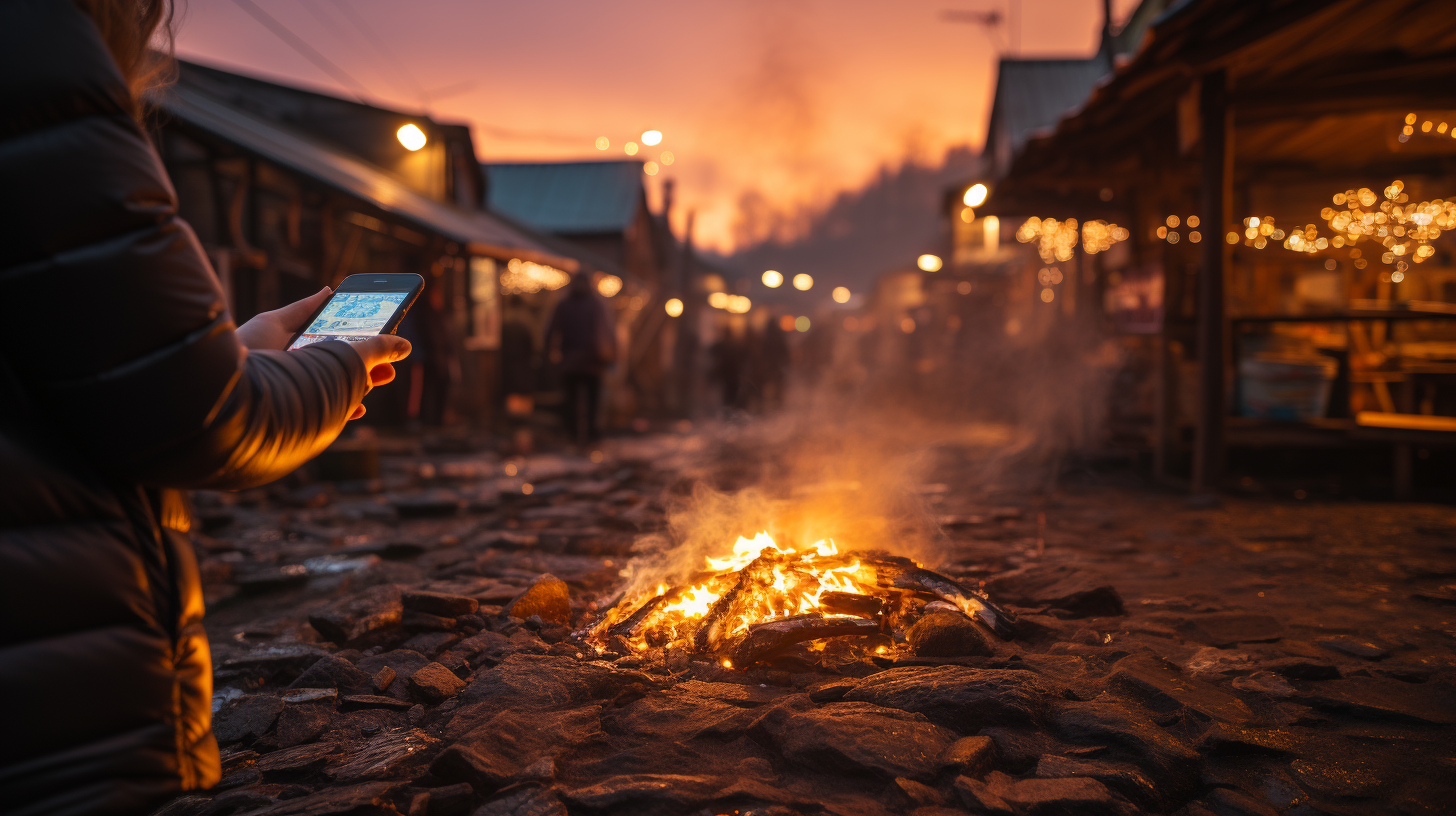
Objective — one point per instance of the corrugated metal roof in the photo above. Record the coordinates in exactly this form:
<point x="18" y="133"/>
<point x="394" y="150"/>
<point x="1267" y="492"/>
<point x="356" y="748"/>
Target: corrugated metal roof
<point x="1033" y="95"/>
<point x="567" y="197"/>
<point x="482" y="233"/>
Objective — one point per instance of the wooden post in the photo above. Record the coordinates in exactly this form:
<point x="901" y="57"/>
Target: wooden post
<point x="1216" y="124"/>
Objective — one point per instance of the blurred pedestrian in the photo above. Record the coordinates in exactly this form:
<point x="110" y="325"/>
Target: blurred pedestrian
<point x="581" y="339"/>
<point x="773" y="364"/>
<point x="729" y="357"/>
<point x="122" y="382"/>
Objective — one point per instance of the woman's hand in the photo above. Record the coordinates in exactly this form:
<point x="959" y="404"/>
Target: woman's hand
<point x="378" y="353"/>
<point x="273" y="330"/>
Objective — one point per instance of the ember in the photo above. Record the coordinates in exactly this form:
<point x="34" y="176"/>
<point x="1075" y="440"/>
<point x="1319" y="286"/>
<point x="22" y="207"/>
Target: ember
<point x="762" y="599"/>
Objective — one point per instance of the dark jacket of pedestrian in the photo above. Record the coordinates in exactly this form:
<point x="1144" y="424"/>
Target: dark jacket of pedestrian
<point x="121" y="381"/>
<point x="581" y="330"/>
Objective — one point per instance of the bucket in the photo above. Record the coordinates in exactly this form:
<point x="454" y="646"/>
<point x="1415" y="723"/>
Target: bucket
<point x="1288" y="388"/>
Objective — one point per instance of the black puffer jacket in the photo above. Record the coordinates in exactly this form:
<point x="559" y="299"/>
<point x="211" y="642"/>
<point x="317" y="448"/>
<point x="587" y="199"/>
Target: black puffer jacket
<point x="121" y="381"/>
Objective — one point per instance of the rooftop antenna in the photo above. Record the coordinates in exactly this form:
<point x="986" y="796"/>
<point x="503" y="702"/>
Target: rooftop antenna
<point x="991" y="21"/>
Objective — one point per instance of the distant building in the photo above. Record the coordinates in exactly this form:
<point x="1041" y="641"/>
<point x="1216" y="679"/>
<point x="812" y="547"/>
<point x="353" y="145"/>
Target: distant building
<point x="599" y="209"/>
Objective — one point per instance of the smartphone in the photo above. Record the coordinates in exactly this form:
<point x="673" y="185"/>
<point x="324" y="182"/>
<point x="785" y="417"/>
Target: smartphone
<point x="362" y="306"/>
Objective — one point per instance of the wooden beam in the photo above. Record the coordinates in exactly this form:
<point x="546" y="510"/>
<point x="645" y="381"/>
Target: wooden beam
<point x="1216" y="122"/>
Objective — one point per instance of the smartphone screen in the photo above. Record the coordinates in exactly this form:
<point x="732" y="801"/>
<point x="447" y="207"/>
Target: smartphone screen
<point x="354" y="316"/>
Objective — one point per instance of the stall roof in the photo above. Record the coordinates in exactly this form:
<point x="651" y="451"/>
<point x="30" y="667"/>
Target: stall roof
<point x="480" y="232"/>
<point x="1314" y="85"/>
<point x="567" y="197"/>
<point x="1033" y="95"/>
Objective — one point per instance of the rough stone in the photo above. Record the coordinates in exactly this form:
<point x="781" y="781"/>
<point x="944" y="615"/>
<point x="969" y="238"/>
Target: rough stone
<point x="434" y="684"/>
<point x="919" y="794"/>
<point x="1162" y="687"/>
<point x="529" y="801"/>
<point x="500" y="750"/>
<point x="1062" y="588"/>
<point x="977" y="796"/>
<point x="375" y="608"/>
<point x="402" y="662"/>
<point x="1379" y="698"/>
<point x="1039" y="797"/>
<point x="1230" y="628"/>
<point x="451" y="800"/>
<point x="1105" y="721"/>
<point x="848" y="737"/>
<point x="1229" y="802"/>
<point x="335" y="672"/>
<point x="442" y="604"/>
<point x="957" y="697"/>
<point x="384" y="678"/>
<point x="947" y="634"/>
<point x="299" y="724"/>
<point x="547" y="597"/>
<point x="430" y="643"/>
<point x="1263" y="682"/>
<point x="247" y="719"/>
<point x="542" y="681"/>
<point x="1125" y="778"/>
<point x="357" y="702"/>
<point x="416" y="621"/>
<point x="1355" y="647"/>
<point x="385" y="755"/>
<point x="968" y="755"/>
<point x="296" y="762"/>
<point x="369" y="799"/>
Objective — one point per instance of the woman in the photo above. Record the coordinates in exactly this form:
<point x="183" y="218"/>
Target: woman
<point x="122" y="381"/>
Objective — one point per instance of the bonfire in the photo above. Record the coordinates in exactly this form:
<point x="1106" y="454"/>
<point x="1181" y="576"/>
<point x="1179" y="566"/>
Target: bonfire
<point x="762" y="600"/>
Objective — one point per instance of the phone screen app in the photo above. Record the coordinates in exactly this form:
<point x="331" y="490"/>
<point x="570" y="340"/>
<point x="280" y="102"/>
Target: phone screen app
<point x="352" y="317"/>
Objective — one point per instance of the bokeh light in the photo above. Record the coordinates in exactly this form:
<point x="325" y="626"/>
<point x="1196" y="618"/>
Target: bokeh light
<point x="674" y="307"/>
<point x="631" y="148"/>
<point x="801" y="323"/>
<point x="609" y="285"/>
<point x="786" y="323"/>
<point x="803" y="283"/>
<point x="603" y="143"/>
<point x="650" y="168"/>
<point x="976" y="195"/>
<point x="718" y="300"/>
<point x="667" y="158"/>
<point x="773" y="279"/>
<point x="907" y="325"/>
<point x="964" y="287"/>
<point x="929" y="263"/>
<point x="651" y="137"/>
<point x="840" y="294"/>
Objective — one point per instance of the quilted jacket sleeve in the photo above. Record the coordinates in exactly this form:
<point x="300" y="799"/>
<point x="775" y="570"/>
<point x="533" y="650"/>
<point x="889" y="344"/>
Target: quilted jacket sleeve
<point x="110" y="314"/>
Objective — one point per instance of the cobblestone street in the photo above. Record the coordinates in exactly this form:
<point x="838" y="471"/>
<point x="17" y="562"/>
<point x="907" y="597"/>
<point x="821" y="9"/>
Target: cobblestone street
<point x="419" y="643"/>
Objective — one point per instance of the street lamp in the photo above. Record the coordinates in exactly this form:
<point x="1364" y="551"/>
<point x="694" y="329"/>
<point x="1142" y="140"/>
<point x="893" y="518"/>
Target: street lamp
<point x="411" y="137"/>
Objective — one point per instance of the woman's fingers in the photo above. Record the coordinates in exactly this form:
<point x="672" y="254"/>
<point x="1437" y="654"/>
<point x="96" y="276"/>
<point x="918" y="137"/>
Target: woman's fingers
<point x="381" y="349"/>
<point x="381" y="374"/>
<point x="292" y="316"/>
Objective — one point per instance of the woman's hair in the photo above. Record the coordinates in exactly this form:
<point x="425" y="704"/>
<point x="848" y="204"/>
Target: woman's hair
<point x="139" y="35"/>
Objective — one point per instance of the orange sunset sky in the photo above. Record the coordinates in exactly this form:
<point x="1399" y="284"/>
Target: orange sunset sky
<point x="796" y="100"/>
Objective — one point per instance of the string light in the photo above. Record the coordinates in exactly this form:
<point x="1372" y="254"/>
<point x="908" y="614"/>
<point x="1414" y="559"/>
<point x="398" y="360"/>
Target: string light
<point x="1055" y="239"/>
<point x="1099" y="236"/>
<point x="527" y="277"/>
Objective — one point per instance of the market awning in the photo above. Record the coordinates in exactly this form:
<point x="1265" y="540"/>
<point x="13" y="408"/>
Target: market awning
<point x="480" y="232"/>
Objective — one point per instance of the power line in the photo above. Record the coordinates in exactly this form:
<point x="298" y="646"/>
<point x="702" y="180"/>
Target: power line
<point x="384" y="49"/>
<point x="307" y="51"/>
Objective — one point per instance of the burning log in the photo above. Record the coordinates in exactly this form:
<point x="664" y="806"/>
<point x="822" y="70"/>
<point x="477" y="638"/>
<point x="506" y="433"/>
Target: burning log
<point x="902" y="573"/>
<point x="848" y="603"/>
<point x="731" y="606"/>
<point x="767" y="639"/>
<point x="629" y="626"/>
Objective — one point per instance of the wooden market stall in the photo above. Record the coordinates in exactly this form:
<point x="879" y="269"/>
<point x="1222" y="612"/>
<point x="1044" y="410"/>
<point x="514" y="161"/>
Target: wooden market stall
<point x="1283" y="173"/>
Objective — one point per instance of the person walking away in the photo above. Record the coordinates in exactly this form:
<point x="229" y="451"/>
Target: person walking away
<point x="580" y="338"/>
<point x="122" y="382"/>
